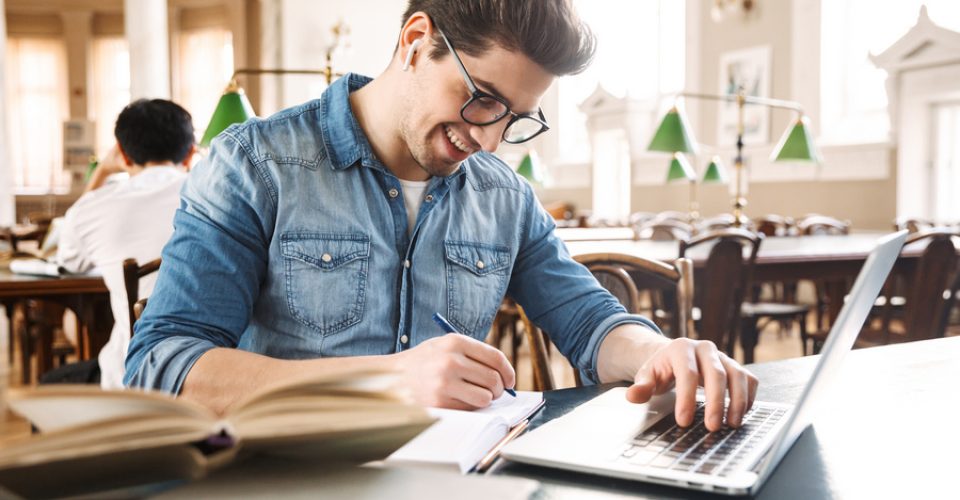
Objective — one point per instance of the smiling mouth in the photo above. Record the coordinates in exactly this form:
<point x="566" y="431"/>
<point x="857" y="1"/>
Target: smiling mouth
<point x="455" y="140"/>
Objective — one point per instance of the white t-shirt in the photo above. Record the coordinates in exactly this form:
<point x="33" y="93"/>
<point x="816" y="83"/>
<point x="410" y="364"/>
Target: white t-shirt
<point x="128" y="219"/>
<point x="412" y="199"/>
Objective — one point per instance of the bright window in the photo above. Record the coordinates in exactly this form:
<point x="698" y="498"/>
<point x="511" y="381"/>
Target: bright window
<point x="111" y="87"/>
<point x="640" y="53"/>
<point x="853" y="99"/>
<point x="205" y="66"/>
<point x="37" y="106"/>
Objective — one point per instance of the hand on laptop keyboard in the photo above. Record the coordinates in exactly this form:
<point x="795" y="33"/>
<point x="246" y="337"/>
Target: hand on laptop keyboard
<point x="686" y="364"/>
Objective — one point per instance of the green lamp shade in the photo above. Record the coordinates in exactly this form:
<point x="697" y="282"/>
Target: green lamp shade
<point x="530" y="168"/>
<point x="680" y="169"/>
<point x="673" y="135"/>
<point x="234" y="107"/>
<point x="797" y="144"/>
<point x="716" y="173"/>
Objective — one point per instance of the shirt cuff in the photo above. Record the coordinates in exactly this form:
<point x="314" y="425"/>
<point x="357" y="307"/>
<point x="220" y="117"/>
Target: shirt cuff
<point x="166" y="365"/>
<point x="590" y="375"/>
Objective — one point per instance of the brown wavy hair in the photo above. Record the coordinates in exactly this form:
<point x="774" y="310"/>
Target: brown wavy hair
<point x="548" y="32"/>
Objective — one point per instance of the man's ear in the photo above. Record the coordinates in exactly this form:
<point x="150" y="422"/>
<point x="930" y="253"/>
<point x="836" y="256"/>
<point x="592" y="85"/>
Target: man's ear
<point x="413" y="36"/>
<point x="186" y="159"/>
<point x="126" y="159"/>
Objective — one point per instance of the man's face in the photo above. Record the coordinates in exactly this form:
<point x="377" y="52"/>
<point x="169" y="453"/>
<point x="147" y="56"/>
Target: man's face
<point x="436" y="135"/>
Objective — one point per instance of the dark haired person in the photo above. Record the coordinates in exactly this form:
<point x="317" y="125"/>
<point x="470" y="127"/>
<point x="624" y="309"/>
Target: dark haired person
<point x="329" y="234"/>
<point x="132" y="218"/>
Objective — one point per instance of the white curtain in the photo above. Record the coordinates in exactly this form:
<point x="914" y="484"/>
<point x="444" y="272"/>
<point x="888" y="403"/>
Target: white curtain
<point x="36" y="108"/>
<point x="7" y="209"/>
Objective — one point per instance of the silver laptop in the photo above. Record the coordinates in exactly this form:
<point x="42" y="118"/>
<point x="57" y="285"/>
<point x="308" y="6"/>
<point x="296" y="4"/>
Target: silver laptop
<point x="612" y="437"/>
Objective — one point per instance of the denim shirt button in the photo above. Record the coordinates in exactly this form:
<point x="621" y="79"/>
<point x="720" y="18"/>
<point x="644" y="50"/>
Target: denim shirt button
<point x="428" y="198"/>
<point x="406" y="263"/>
<point x="480" y="264"/>
<point x="404" y="339"/>
<point x="393" y="192"/>
<point x="326" y="257"/>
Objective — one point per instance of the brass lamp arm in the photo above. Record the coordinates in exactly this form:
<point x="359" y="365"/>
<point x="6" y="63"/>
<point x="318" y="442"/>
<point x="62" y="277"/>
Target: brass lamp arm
<point x="327" y="73"/>
<point x="763" y="101"/>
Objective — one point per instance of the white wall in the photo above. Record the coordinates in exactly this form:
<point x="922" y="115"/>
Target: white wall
<point x="304" y="33"/>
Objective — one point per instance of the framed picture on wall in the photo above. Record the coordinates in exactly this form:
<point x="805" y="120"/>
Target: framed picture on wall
<point x="748" y="69"/>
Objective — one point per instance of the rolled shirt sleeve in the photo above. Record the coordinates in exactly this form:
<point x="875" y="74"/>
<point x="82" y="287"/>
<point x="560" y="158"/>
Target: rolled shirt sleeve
<point x="212" y="269"/>
<point x="562" y="296"/>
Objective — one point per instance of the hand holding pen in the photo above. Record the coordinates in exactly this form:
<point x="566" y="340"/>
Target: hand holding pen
<point x="448" y="328"/>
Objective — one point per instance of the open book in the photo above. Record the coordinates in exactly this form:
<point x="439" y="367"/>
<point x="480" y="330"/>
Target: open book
<point x="461" y="438"/>
<point x="90" y="438"/>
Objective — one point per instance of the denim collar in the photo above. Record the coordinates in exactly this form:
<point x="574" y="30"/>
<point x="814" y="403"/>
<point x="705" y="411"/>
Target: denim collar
<point x="345" y="141"/>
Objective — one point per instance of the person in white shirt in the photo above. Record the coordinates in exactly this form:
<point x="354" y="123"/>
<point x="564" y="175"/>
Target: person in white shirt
<point x="131" y="218"/>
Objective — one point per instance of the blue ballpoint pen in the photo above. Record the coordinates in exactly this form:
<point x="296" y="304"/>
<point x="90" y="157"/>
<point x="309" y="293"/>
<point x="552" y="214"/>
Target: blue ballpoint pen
<point x="447" y="327"/>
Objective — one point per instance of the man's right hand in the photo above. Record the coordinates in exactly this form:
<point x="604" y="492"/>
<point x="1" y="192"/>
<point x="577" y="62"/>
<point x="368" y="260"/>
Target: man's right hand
<point x="454" y="371"/>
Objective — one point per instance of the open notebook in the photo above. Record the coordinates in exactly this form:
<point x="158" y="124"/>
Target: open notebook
<point x="461" y="438"/>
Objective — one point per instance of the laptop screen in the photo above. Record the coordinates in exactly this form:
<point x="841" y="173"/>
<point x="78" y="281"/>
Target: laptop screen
<point x="840" y="340"/>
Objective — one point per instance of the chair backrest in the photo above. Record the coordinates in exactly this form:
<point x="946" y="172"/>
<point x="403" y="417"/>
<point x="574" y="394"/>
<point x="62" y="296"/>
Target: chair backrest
<point x="929" y="286"/>
<point x="664" y="230"/>
<point x="774" y="225"/>
<point x="726" y="276"/>
<point x="673" y="215"/>
<point x="719" y="221"/>
<point x="560" y="210"/>
<point x="822" y="225"/>
<point x="913" y="224"/>
<point x="132" y="272"/>
<point x="617" y="273"/>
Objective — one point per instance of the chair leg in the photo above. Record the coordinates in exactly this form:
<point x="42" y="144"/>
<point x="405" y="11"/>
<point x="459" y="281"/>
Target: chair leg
<point x="748" y="338"/>
<point x="803" y="332"/>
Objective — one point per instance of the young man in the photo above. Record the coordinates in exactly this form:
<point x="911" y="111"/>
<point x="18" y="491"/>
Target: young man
<point x="329" y="234"/>
<point x="128" y="219"/>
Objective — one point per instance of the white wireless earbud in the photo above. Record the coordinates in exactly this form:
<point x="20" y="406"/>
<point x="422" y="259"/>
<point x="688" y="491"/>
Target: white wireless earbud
<point x="414" y="45"/>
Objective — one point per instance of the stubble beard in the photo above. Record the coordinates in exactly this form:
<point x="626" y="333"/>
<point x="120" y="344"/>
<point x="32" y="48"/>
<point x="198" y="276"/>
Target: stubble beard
<point x="421" y="151"/>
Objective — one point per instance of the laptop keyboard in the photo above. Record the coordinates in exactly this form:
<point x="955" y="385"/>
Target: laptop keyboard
<point x="668" y="446"/>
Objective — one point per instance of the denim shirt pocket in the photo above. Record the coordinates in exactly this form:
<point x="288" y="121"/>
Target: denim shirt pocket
<point x="326" y="278"/>
<point x="477" y="276"/>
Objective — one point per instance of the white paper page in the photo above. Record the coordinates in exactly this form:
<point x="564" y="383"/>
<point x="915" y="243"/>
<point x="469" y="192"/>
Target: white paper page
<point x="462" y="438"/>
<point x="514" y="409"/>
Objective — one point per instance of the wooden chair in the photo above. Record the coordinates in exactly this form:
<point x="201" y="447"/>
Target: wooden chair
<point x="720" y="221"/>
<point x="929" y="288"/>
<point x="815" y="224"/>
<point x="913" y="224"/>
<point x="825" y="289"/>
<point x="724" y="283"/>
<point x="560" y="210"/>
<point x="672" y="215"/>
<point x="774" y="225"/>
<point x="615" y="272"/>
<point x="664" y="230"/>
<point x="132" y="272"/>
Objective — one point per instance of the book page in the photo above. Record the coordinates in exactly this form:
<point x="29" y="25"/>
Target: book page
<point x="462" y="438"/>
<point x="55" y="407"/>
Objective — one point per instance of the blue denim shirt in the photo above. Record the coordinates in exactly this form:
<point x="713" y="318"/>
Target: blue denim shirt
<point x="291" y="241"/>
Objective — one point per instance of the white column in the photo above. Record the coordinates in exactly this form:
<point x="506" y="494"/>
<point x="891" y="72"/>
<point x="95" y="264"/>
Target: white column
<point x="7" y="209"/>
<point x="145" y="23"/>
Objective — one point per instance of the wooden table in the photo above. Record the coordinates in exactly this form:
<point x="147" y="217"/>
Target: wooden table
<point x="86" y="296"/>
<point x="596" y="233"/>
<point x="865" y="442"/>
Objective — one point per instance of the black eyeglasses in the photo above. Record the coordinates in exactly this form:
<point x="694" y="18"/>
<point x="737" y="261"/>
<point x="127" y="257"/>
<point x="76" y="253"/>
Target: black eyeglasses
<point x="485" y="109"/>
